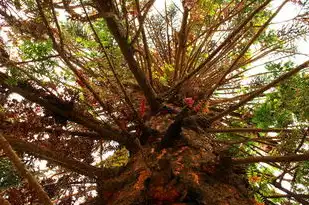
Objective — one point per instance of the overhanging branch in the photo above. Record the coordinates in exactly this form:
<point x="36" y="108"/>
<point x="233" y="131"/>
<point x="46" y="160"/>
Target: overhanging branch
<point x="20" y="167"/>
<point x="56" y="158"/>
<point x="30" y="93"/>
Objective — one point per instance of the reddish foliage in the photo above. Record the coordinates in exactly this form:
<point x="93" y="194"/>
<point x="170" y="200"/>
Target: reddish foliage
<point x="189" y="102"/>
<point x="142" y="107"/>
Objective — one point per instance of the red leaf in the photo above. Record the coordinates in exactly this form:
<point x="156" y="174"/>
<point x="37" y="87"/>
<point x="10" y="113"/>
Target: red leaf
<point x="142" y="107"/>
<point x="189" y="102"/>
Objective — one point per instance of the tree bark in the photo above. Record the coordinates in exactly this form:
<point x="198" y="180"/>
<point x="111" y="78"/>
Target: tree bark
<point x="188" y="172"/>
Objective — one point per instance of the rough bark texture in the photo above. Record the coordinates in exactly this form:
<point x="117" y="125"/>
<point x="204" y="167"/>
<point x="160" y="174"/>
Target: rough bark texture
<point x="190" y="172"/>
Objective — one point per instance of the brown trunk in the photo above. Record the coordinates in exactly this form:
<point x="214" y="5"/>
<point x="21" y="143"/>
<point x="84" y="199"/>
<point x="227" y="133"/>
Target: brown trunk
<point x="189" y="172"/>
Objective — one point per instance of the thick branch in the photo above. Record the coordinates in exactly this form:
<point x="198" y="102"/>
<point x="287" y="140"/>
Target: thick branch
<point x="56" y="158"/>
<point x="288" y="158"/>
<point x="74" y="115"/>
<point x="90" y="135"/>
<point x="182" y="43"/>
<point x="20" y="167"/>
<point x="118" y="31"/>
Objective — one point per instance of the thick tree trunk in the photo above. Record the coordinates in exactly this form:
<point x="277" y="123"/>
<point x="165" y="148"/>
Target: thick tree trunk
<point x="189" y="172"/>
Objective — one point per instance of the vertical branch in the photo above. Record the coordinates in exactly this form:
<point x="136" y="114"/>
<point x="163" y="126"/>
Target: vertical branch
<point x="180" y="50"/>
<point x="116" y="28"/>
<point x="167" y="34"/>
<point x="228" y="39"/>
<point x="141" y="29"/>
<point x="127" y="98"/>
<point x="23" y="171"/>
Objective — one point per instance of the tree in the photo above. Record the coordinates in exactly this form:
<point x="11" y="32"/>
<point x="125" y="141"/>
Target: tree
<point x="172" y="94"/>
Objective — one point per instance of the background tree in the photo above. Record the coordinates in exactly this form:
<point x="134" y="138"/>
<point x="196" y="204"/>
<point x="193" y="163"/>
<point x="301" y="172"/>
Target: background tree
<point x="118" y="102"/>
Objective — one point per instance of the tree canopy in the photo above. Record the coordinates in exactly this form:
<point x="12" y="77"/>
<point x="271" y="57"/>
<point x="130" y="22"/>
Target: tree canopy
<point x="140" y="102"/>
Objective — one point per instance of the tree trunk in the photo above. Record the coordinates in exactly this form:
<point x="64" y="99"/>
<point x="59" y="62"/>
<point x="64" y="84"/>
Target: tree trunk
<point x="189" y="172"/>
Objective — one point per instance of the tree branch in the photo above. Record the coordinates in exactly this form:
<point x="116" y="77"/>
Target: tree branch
<point x="243" y="52"/>
<point x="220" y="47"/>
<point x="181" y="49"/>
<point x="20" y="167"/>
<point x="286" y="196"/>
<point x="260" y="91"/>
<point x="288" y="158"/>
<point x="90" y="135"/>
<point x="56" y="158"/>
<point x="253" y="130"/>
<point x="30" y="93"/>
<point x="116" y="28"/>
<point x="295" y="196"/>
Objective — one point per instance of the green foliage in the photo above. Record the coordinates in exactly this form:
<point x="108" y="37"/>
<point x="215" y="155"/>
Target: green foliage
<point x="8" y="175"/>
<point x="76" y="28"/>
<point x="35" y="50"/>
<point x="38" y="50"/>
<point x="277" y="69"/>
<point x="103" y="33"/>
<point x="302" y="176"/>
<point x="270" y="38"/>
<point x="210" y="7"/>
<point x="118" y="159"/>
<point x="295" y="96"/>
<point x="271" y="113"/>
<point x="288" y="104"/>
<point x="261" y="18"/>
<point x="165" y="75"/>
<point x="258" y="176"/>
<point x="289" y="143"/>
